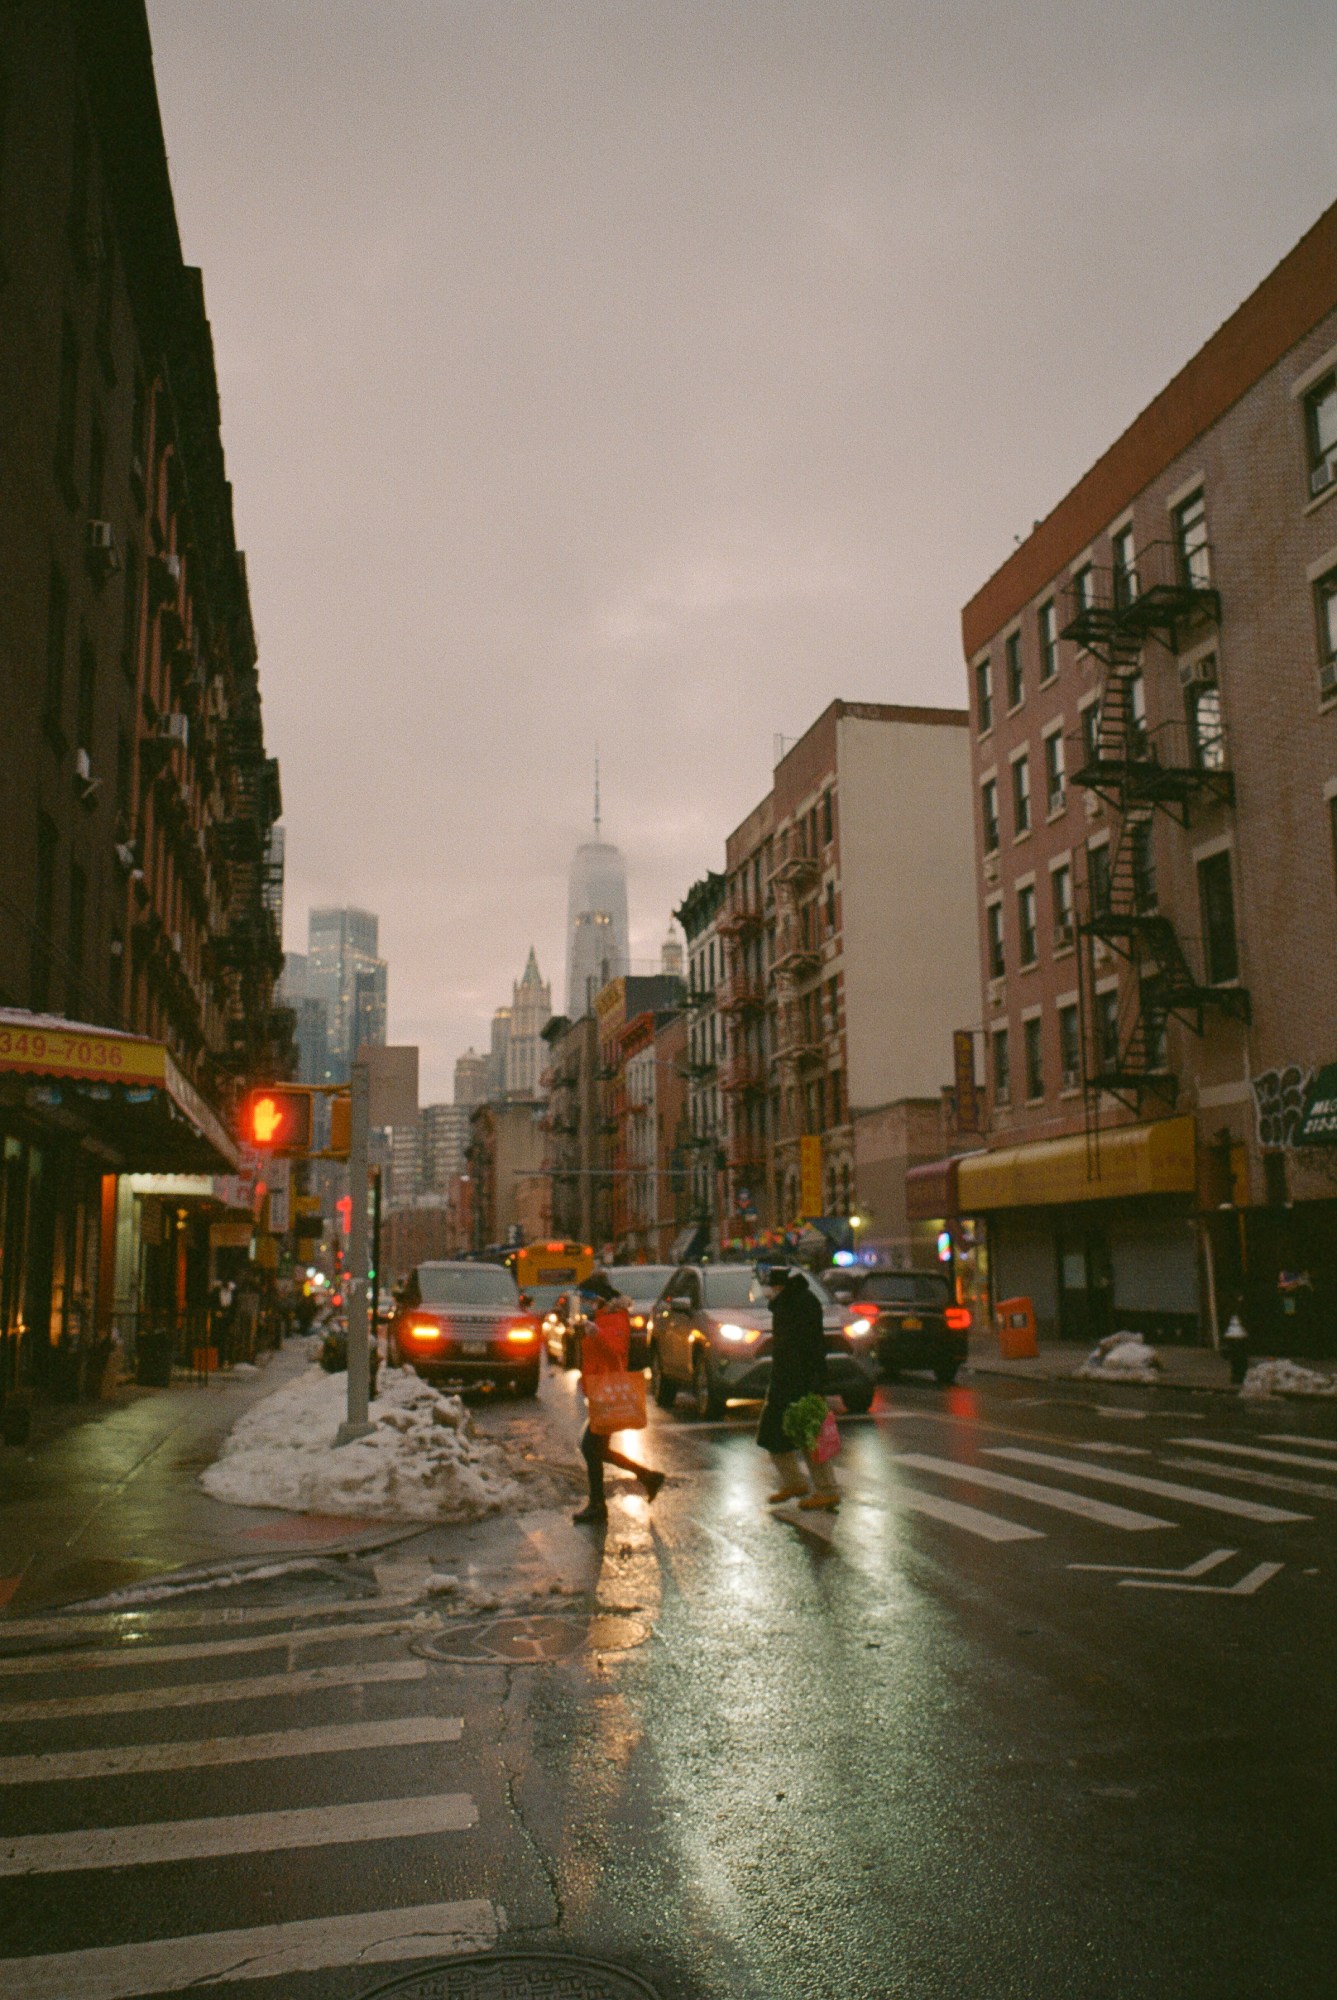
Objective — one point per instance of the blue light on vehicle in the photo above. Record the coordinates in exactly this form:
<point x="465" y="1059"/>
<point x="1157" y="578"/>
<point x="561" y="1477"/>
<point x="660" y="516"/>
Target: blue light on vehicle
<point x="844" y="1258"/>
<point x="944" y="1246"/>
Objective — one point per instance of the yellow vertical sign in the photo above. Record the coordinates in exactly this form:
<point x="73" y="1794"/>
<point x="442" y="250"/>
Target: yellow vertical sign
<point x="810" y="1175"/>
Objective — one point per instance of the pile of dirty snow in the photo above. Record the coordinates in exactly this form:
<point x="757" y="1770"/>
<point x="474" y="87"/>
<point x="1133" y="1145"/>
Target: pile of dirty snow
<point x="1122" y="1357"/>
<point x="420" y="1462"/>
<point x="1286" y="1378"/>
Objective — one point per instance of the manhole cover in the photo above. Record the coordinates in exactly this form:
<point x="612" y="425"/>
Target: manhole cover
<point x="545" y="1636"/>
<point x="519" y="1975"/>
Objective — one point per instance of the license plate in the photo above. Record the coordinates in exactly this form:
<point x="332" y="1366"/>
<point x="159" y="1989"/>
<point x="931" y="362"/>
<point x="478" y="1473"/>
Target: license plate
<point x="472" y="1350"/>
<point x="911" y="1324"/>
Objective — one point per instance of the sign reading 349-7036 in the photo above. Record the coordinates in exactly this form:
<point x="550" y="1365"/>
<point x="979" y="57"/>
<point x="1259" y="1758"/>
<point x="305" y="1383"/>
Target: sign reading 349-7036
<point x="74" y="1052"/>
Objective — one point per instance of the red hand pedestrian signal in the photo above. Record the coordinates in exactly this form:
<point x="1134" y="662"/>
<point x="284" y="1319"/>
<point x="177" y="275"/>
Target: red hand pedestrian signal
<point x="278" y="1120"/>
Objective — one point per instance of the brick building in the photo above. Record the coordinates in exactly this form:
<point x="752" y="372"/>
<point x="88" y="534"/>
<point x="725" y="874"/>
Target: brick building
<point x="138" y="869"/>
<point x="1154" y="689"/>
<point x="620" y="1003"/>
<point x="571" y="1116"/>
<point x="847" y="940"/>
<point x="699" y="914"/>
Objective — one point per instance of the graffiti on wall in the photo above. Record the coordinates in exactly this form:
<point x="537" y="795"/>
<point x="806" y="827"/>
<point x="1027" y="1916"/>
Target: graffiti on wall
<point x="1279" y="1100"/>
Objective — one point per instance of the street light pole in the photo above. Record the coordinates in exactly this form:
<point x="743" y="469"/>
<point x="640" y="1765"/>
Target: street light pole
<point x="355" y="1291"/>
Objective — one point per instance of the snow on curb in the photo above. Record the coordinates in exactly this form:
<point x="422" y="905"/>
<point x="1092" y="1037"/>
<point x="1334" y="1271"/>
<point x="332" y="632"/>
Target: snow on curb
<point x="1121" y="1357"/>
<point x="1286" y="1378"/>
<point x="420" y="1462"/>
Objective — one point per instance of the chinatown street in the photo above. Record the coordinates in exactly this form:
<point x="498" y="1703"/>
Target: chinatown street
<point x="1045" y="1709"/>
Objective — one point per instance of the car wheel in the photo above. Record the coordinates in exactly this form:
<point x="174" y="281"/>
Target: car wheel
<point x="945" y="1375"/>
<point x="528" y="1383"/>
<point x="707" y="1400"/>
<point x="858" y="1402"/>
<point x="661" y="1388"/>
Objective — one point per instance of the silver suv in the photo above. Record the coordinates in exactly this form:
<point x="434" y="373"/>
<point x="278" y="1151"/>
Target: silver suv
<point x="710" y="1338"/>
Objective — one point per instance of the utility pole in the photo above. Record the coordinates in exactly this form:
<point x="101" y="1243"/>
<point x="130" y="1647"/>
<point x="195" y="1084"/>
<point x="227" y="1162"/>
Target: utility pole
<point x="355" y="1291"/>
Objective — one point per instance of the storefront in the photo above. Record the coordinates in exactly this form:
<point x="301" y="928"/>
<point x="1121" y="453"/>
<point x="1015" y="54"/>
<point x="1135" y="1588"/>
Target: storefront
<point x="947" y="1240"/>
<point x="81" y="1106"/>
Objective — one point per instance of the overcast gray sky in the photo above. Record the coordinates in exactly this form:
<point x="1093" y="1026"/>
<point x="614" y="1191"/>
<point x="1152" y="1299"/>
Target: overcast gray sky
<point x="658" y="371"/>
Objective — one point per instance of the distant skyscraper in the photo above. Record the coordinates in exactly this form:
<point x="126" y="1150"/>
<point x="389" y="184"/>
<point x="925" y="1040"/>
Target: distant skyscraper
<point x="345" y="971"/>
<point x="596" y="919"/>
<point x="531" y="1011"/>
<point x="671" y="955"/>
<point x="501" y="1041"/>
<point x="312" y="1033"/>
<point x="473" y="1075"/>
<point x="444" y="1130"/>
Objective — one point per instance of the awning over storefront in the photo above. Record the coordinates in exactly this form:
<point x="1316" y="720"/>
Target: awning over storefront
<point x="1318" y="1121"/>
<point x="932" y="1191"/>
<point x="1157" y="1158"/>
<point x="123" y="1093"/>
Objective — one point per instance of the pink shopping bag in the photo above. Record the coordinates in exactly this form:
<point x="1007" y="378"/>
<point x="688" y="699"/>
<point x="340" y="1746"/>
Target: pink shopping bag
<point x="827" y="1441"/>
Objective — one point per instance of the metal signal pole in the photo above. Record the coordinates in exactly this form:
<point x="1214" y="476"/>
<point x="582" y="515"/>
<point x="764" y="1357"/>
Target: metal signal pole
<point x="355" y="1291"/>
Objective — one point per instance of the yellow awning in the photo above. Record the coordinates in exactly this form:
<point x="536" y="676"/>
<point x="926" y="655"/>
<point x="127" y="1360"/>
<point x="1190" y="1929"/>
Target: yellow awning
<point x="1158" y="1158"/>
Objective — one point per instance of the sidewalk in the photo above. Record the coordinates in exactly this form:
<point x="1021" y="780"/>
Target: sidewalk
<point x="108" y="1495"/>
<point x="1058" y="1361"/>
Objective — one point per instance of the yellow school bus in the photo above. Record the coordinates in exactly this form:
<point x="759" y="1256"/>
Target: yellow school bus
<point x="563" y="1264"/>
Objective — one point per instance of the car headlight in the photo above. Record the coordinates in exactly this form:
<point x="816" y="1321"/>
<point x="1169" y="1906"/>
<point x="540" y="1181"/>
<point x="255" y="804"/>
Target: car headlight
<point x="734" y="1334"/>
<point x="857" y="1328"/>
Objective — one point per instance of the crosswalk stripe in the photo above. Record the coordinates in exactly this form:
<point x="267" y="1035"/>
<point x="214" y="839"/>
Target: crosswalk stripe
<point x="155" y="1618"/>
<point x="1248" y="1475"/>
<point x="212" y="1752"/>
<point x="1290" y="1437"/>
<point x="1137" y="1482"/>
<point x="131" y="1654"/>
<point x="992" y="1527"/>
<point x="260" y="1687"/>
<point x="319" y="1944"/>
<point x="1027" y="1489"/>
<point x="1255" y="1451"/>
<point x="237" y="1833"/>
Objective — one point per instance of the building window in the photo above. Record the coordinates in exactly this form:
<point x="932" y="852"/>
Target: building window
<point x="1033" y="1048"/>
<point x="989" y="814"/>
<point x="1026" y="934"/>
<point x="1321" y="434"/>
<point x="984" y="696"/>
<point x="1054" y="771"/>
<point x="1153" y="1026"/>
<point x="44" y="899"/>
<point x="57" y="619"/>
<point x="1123" y="564"/>
<point x="1325" y="599"/>
<point x="1084" y="588"/>
<point x="1021" y="795"/>
<point x="1098" y="878"/>
<point x="87" y="694"/>
<point x="828" y="820"/>
<point x="1217" y="898"/>
<point x="1069" y="1047"/>
<point x="1142" y="855"/>
<point x="1136" y="714"/>
<point x="994" y="922"/>
<point x="1016" y="691"/>
<point x="831" y="908"/>
<point x="1048" y="628"/>
<point x="75" y="951"/>
<point x="1206" y="720"/>
<point x="1195" y="558"/>
<point x="1107" y="1027"/>
<point x="836" y="1084"/>
<point x="1060" y="890"/>
<point x="1091" y="733"/>
<point x="1002" y="1067"/>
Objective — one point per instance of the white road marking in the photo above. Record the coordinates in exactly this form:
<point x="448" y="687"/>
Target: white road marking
<point x="166" y="1965"/>
<point x="1027" y="1489"/>
<point x="1165" y="1489"/>
<point x="261" y="1687"/>
<point x="1247" y="1475"/>
<point x="992" y="1527"/>
<point x="1289" y="1437"/>
<point x="1113" y="1450"/>
<point x="130" y="1759"/>
<point x="152" y="1619"/>
<point x="1117" y="1410"/>
<point x="1247" y="1586"/>
<point x="132" y="1654"/>
<point x="1203" y="1565"/>
<point x="177" y="1840"/>
<point x="1255" y="1451"/>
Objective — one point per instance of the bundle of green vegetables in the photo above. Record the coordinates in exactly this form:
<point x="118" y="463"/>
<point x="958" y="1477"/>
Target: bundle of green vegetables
<point x="803" y="1419"/>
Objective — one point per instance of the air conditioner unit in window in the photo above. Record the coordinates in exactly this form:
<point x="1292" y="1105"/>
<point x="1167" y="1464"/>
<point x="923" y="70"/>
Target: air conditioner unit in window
<point x="991" y="873"/>
<point x="1322" y="476"/>
<point x="1198" y="673"/>
<point x="1063" y="936"/>
<point x="174" y="729"/>
<point x="83" y="768"/>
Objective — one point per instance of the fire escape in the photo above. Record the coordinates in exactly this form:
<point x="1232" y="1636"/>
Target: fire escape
<point x="1139" y="771"/>
<point x="741" y="1000"/>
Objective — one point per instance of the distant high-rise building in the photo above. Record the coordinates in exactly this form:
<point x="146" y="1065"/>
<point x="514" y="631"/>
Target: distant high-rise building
<point x="531" y="1011"/>
<point x="345" y="971"/>
<point x="671" y="956"/>
<point x="271" y="889"/>
<point x="501" y="1041"/>
<point x="444" y="1135"/>
<point x="405" y="1166"/>
<point x="311" y="1035"/>
<point x="473" y="1075"/>
<point x="596" y="919"/>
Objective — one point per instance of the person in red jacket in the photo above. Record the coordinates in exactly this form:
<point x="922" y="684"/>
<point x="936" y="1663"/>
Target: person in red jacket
<point x="605" y="1346"/>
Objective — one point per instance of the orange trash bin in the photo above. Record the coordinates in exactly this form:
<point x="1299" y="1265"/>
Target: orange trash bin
<point x="1015" y="1320"/>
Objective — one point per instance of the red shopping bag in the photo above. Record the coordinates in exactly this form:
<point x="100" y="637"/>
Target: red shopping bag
<point x="827" y="1441"/>
<point x="616" y="1402"/>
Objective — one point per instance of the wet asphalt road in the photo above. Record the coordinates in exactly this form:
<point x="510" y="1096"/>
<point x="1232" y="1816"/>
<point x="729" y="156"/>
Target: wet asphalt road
<point x="915" y="1751"/>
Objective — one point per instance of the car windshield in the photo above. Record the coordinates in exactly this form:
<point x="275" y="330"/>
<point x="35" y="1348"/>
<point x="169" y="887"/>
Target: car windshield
<point x="544" y="1297"/>
<point x="906" y="1288"/>
<point x="466" y="1285"/>
<point x="738" y="1286"/>
<point x="641" y="1283"/>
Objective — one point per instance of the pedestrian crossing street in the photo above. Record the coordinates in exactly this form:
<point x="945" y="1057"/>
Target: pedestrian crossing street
<point x="134" y="1831"/>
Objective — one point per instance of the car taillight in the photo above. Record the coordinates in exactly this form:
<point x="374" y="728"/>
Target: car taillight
<point x="958" y="1318"/>
<point x="425" y="1330"/>
<point x="521" y="1334"/>
<point x="638" y="1319"/>
<point x="866" y="1311"/>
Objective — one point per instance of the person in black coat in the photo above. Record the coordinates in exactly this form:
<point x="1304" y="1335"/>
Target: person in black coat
<point x="798" y="1368"/>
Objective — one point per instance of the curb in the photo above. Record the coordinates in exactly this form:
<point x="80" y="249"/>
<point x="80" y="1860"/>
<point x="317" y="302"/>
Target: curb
<point x="1112" y="1381"/>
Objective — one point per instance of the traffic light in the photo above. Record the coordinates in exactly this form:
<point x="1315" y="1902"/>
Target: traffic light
<point x="277" y="1120"/>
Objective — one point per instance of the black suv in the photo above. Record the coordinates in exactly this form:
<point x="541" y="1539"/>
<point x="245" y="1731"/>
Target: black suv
<point x="917" y="1324"/>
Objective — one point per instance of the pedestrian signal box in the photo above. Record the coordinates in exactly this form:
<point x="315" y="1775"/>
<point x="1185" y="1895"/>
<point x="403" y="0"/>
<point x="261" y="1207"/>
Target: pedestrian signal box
<point x="341" y="1125"/>
<point x="277" y="1120"/>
